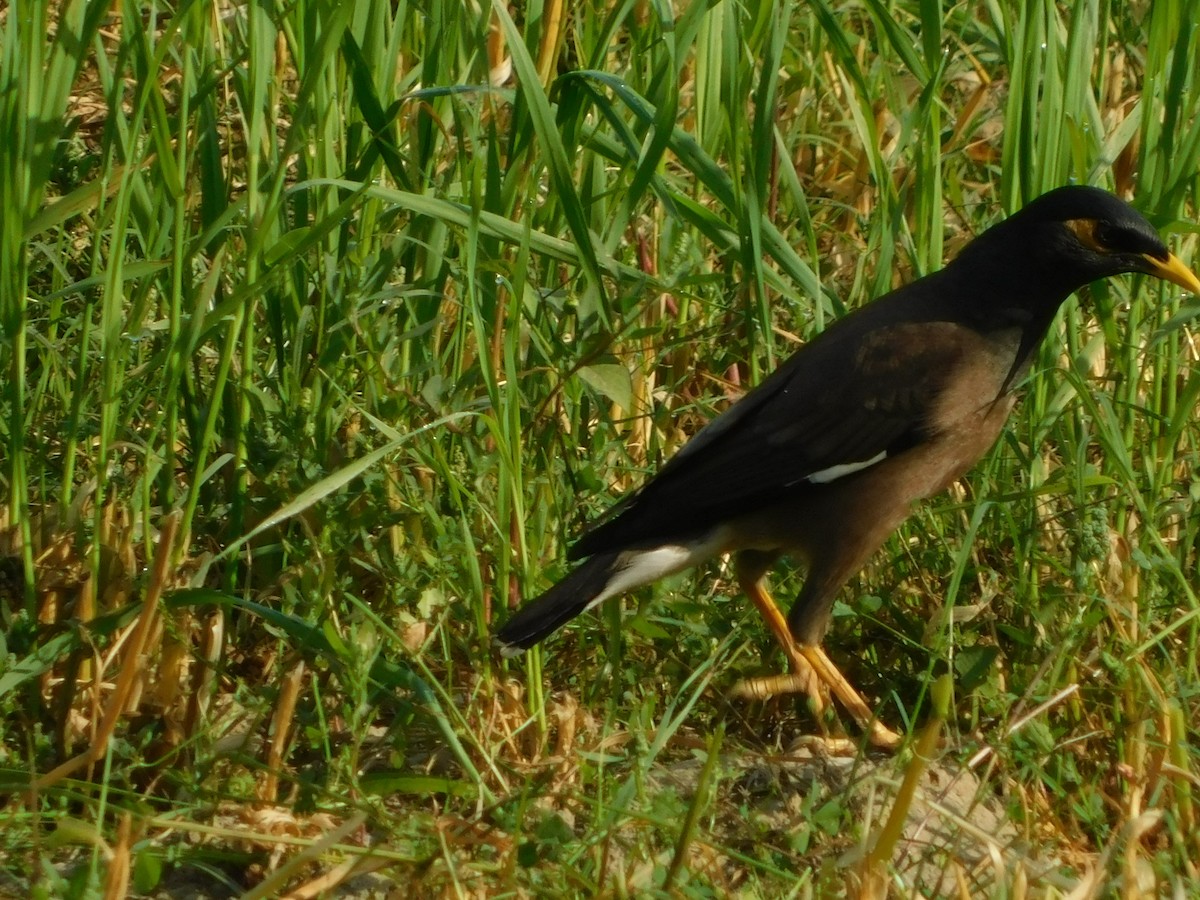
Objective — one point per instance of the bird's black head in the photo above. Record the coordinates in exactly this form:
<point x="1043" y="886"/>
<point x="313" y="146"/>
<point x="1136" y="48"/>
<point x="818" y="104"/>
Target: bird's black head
<point x="1075" y="235"/>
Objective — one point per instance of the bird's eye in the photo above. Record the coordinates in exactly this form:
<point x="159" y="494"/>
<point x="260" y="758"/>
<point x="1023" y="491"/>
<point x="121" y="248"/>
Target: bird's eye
<point x="1106" y="235"/>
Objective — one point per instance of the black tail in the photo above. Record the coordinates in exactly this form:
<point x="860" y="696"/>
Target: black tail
<point x="542" y="616"/>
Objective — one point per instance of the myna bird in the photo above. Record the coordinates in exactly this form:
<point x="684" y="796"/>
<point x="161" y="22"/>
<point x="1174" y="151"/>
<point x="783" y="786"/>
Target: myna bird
<point x="824" y="459"/>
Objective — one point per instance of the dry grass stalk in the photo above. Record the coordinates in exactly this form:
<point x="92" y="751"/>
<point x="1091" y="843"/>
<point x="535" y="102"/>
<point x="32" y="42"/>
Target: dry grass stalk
<point x="116" y="882"/>
<point x="132" y="664"/>
<point x="281" y="727"/>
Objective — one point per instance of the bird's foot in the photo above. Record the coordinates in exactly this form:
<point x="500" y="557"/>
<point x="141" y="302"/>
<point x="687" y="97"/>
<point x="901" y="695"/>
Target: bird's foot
<point x="803" y="679"/>
<point x="813" y="673"/>
<point x="823" y="668"/>
<point x="883" y="737"/>
<point x="813" y="684"/>
<point x="766" y="686"/>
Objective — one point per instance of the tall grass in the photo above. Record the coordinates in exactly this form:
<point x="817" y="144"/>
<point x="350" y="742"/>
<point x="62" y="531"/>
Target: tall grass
<point x="295" y="298"/>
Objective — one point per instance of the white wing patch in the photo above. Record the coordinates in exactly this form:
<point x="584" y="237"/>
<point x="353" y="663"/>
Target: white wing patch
<point x="833" y="473"/>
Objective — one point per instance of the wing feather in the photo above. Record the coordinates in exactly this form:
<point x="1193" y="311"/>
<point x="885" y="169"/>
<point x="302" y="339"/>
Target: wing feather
<point x="849" y="397"/>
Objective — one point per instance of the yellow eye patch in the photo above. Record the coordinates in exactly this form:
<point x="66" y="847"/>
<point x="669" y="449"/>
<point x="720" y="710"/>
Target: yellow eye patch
<point x="1085" y="230"/>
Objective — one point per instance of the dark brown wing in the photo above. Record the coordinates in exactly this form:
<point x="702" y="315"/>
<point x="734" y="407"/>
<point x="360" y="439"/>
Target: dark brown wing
<point x="851" y="396"/>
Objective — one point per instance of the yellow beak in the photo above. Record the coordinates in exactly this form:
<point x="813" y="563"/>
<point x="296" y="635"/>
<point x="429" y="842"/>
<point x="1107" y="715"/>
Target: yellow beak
<point x="1172" y="270"/>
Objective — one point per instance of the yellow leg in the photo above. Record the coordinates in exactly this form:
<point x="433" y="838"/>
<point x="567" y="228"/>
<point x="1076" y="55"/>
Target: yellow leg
<point x="802" y="680"/>
<point x="880" y="735"/>
<point x="811" y="669"/>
